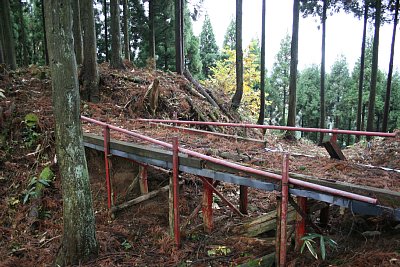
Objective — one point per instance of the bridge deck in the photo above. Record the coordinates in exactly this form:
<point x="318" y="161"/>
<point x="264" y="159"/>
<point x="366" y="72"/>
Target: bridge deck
<point x="146" y="154"/>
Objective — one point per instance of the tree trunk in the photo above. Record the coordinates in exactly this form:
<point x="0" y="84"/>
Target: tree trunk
<point x="322" y="88"/>
<point x="127" y="52"/>
<point x="23" y="38"/>
<point x="152" y="37"/>
<point x="90" y="72"/>
<point x="237" y="98"/>
<point x="293" y="66"/>
<point x="284" y="106"/>
<point x="106" y="29"/>
<point x="374" y="70"/>
<point x="45" y="51"/>
<point x="362" y="68"/>
<point x="116" y="59"/>
<point x="390" y="73"/>
<point x="261" y="116"/>
<point x="79" y="236"/>
<point x="8" y="39"/>
<point x="178" y="37"/>
<point x="77" y="32"/>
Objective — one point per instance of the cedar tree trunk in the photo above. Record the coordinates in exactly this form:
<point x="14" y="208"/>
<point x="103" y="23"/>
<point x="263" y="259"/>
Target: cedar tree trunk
<point x="293" y="65"/>
<point x="237" y="97"/>
<point x="116" y="59"/>
<point x="374" y="70"/>
<point x="90" y="72"/>
<point x="79" y="236"/>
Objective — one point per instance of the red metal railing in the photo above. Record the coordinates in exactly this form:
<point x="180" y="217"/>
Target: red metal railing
<point x="274" y="176"/>
<point x="272" y="127"/>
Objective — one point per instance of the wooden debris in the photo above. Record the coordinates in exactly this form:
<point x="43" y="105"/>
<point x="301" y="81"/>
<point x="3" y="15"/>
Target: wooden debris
<point x="152" y="94"/>
<point x="199" y="88"/>
<point x="139" y="199"/>
<point x="201" y="115"/>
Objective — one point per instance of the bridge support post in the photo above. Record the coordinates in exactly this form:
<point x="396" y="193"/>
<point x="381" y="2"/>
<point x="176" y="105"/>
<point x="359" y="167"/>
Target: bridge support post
<point x="144" y="189"/>
<point x="243" y="199"/>
<point x="106" y="136"/>
<point x="207" y="206"/>
<point x="300" y="222"/>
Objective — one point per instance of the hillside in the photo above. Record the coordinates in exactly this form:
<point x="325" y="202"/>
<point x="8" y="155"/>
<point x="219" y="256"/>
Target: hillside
<point x="31" y="231"/>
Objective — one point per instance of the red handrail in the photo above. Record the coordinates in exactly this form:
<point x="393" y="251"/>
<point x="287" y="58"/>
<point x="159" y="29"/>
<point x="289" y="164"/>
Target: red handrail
<point x="272" y="127"/>
<point x="240" y="167"/>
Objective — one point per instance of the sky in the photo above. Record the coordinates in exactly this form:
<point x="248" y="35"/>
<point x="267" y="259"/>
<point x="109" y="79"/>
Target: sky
<point x="343" y="32"/>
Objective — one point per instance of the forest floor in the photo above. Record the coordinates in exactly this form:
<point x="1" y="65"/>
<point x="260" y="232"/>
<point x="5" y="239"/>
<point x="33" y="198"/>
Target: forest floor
<point x="31" y="225"/>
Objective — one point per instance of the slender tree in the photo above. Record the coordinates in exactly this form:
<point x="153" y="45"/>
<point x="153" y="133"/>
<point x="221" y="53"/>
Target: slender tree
<point x="293" y="65"/>
<point x="261" y="116"/>
<point x="79" y="236"/>
<point x="280" y="81"/>
<point x="322" y="109"/>
<point x="390" y="73"/>
<point x="126" y="30"/>
<point x="105" y="12"/>
<point x="89" y="72"/>
<point x="23" y="38"/>
<point x="362" y="69"/>
<point x="7" y="37"/>
<point x="237" y="97"/>
<point x="116" y="59"/>
<point x="152" y="36"/>
<point x="77" y="31"/>
<point x="374" y="69"/>
<point x="45" y="51"/>
<point x="179" y="61"/>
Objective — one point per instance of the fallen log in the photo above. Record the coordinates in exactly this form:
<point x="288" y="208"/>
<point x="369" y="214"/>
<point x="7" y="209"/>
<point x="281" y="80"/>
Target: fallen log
<point x="267" y="222"/>
<point x="139" y="199"/>
<point x="202" y="116"/>
<point x="191" y="91"/>
<point x="199" y="88"/>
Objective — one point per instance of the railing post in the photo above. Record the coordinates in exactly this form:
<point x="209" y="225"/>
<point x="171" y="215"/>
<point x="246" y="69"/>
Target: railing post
<point x="278" y="230"/>
<point x="106" y="135"/>
<point x="175" y="174"/>
<point x="284" y="208"/>
<point x="300" y="223"/>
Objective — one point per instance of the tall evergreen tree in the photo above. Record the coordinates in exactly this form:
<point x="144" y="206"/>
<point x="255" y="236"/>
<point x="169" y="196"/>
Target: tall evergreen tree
<point x="79" y="236"/>
<point x="294" y="54"/>
<point x="280" y="81"/>
<point x="390" y="73"/>
<point x="261" y="116"/>
<point x="362" y="67"/>
<point x="116" y="59"/>
<point x="127" y="52"/>
<point x="237" y="97"/>
<point x="7" y="38"/>
<point x="208" y="47"/>
<point x="152" y="35"/>
<point x="89" y="72"/>
<point x="77" y="31"/>
<point x="374" y="68"/>
<point x="230" y="36"/>
<point x="179" y="57"/>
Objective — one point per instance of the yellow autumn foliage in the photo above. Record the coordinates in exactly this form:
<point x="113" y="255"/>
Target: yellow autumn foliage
<point x="224" y="77"/>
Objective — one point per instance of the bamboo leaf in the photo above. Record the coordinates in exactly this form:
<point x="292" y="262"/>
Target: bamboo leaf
<point x="323" y="249"/>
